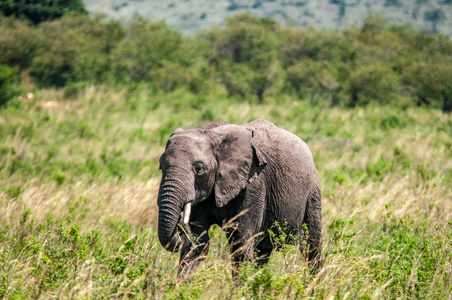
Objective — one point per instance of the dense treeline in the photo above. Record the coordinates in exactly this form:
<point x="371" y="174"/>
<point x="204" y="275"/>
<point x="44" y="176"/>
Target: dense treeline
<point x="252" y="58"/>
<point x="38" y="11"/>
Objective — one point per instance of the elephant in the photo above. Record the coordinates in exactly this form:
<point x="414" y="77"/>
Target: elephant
<point x="245" y="178"/>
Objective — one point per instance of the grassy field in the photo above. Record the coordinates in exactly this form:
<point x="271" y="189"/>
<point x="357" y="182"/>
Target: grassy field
<point x="79" y="180"/>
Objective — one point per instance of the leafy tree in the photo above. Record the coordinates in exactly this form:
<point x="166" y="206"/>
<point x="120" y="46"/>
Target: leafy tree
<point x="38" y="11"/>
<point x="76" y="48"/>
<point x="372" y="26"/>
<point x="146" y="48"/>
<point x="327" y="45"/>
<point x="430" y="83"/>
<point x="373" y="83"/>
<point x="246" y="54"/>
<point x="19" y="42"/>
<point x="310" y="77"/>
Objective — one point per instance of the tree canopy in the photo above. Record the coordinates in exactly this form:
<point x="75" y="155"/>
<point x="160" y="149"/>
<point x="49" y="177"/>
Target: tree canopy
<point x="38" y="11"/>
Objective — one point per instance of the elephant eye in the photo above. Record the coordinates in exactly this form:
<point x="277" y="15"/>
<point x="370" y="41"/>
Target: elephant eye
<point x="200" y="169"/>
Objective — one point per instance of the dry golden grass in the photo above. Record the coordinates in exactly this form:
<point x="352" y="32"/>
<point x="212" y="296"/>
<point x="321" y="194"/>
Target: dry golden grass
<point x="131" y="201"/>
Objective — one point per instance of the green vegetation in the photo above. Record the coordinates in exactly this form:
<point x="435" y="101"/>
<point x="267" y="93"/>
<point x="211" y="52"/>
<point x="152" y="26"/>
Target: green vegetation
<point x="9" y="88"/>
<point x="250" y="58"/>
<point x="39" y="11"/>
<point x="79" y="180"/>
<point x="79" y="162"/>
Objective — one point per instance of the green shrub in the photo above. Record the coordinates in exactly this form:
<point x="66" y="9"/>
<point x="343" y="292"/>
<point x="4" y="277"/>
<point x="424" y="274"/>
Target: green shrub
<point x="411" y="249"/>
<point x="245" y="40"/>
<point x="372" y="26"/>
<point x="374" y="83"/>
<point x="172" y="75"/>
<point x="147" y="47"/>
<point x="430" y="83"/>
<point x="9" y="78"/>
<point x="75" y="48"/>
<point x="19" y="42"/>
<point x="245" y="55"/>
<point x="73" y="90"/>
<point x="309" y="77"/>
<point x="319" y="45"/>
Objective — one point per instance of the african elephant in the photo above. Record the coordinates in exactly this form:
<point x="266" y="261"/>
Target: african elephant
<point x="250" y="176"/>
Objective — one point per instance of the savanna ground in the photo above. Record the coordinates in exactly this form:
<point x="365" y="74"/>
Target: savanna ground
<point x="79" y="179"/>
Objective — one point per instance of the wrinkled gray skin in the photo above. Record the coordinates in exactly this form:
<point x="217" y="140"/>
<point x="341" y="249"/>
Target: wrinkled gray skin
<point x="243" y="178"/>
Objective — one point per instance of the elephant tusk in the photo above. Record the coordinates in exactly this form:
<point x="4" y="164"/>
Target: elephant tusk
<point x="187" y="210"/>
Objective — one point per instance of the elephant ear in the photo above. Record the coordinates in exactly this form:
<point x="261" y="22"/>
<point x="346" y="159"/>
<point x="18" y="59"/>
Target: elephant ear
<point x="234" y="157"/>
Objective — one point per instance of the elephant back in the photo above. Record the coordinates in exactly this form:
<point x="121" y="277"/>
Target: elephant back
<point x="282" y="148"/>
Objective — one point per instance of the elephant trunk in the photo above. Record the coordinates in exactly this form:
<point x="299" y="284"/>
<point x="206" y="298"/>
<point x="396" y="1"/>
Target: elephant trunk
<point x="173" y="198"/>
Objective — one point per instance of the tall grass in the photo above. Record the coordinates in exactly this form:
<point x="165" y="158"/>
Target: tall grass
<point x="79" y="177"/>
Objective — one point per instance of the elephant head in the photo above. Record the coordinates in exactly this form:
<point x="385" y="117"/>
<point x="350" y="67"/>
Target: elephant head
<point x="213" y="160"/>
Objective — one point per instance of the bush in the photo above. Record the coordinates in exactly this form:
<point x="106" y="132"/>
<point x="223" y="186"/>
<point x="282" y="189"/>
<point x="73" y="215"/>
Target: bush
<point x="9" y="77"/>
<point x="323" y="45"/>
<point x="373" y="83"/>
<point x="173" y="75"/>
<point x="75" y="48"/>
<point x="18" y="42"/>
<point x="73" y="90"/>
<point x="412" y="251"/>
<point x="373" y="25"/>
<point x="309" y="77"/>
<point x="147" y="47"/>
<point x="245" y="54"/>
<point x="430" y="83"/>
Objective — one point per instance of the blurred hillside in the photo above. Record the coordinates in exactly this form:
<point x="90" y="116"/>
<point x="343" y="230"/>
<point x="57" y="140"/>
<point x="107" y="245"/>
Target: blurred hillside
<point x="192" y="15"/>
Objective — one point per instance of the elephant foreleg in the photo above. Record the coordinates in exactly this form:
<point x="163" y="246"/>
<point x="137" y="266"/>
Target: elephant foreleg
<point x="195" y="249"/>
<point x="242" y="251"/>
